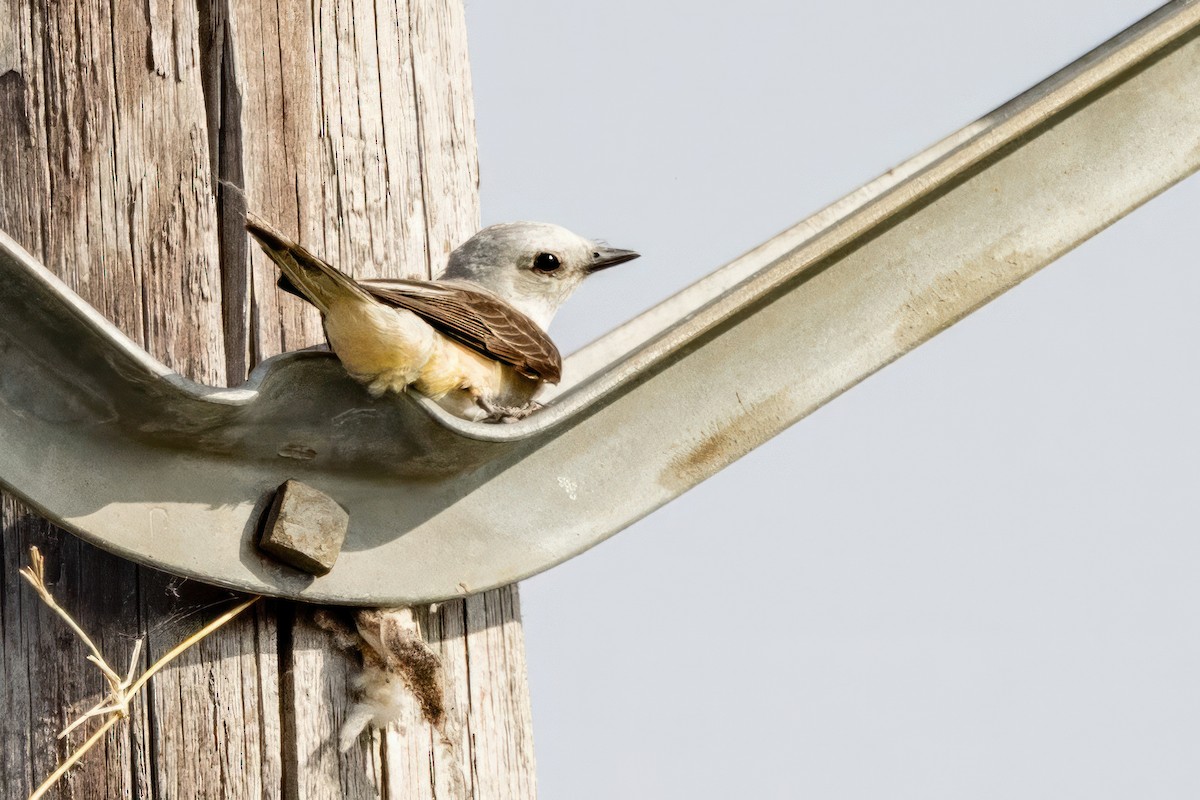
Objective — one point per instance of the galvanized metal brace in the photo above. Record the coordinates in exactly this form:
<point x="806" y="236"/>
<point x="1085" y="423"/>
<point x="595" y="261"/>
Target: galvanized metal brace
<point x="114" y="446"/>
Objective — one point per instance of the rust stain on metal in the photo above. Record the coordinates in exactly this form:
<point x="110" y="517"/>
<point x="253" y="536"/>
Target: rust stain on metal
<point x="729" y="441"/>
<point x="959" y="292"/>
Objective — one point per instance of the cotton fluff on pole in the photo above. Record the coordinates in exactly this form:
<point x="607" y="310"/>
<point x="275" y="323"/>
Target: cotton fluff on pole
<point x="475" y="338"/>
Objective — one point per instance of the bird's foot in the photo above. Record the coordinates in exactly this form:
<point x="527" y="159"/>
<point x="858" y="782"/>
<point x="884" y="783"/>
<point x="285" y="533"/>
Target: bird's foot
<point x="506" y="414"/>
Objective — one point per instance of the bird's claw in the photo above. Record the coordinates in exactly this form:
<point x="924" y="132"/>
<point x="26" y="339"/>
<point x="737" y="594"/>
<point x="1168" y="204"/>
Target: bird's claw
<point x="507" y="414"/>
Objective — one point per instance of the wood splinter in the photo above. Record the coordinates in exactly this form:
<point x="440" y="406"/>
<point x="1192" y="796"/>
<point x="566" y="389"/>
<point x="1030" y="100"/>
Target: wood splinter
<point x="304" y="528"/>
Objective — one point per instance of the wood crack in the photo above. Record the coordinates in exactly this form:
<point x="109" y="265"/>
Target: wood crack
<point x="288" y="740"/>
<point x="223" y="106"/>
<point x="420" y="137"/>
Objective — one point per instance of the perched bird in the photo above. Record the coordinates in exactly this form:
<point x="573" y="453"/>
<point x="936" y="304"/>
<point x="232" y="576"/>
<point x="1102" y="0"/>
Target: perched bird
<point x="475" y="338"/>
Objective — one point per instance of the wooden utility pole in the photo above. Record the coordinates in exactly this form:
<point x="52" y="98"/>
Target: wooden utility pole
<point x="129" y="132"/>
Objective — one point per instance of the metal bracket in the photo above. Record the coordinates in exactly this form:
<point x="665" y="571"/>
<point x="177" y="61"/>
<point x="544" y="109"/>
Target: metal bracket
<point x="109" y="443"/>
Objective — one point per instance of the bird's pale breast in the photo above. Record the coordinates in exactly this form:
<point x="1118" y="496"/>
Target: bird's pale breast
<point x="455" y="375"/>
<point x="389" y="349"/>
<point x="384" y="348"/>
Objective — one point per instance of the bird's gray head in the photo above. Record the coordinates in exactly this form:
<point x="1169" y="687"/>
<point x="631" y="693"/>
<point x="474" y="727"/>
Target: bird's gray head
<point x="533" y="265"/>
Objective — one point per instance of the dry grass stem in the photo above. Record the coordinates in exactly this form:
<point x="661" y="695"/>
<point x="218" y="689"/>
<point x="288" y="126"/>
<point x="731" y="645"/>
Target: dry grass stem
<point x="35" y="573"/>
<point x="121" y="691"/>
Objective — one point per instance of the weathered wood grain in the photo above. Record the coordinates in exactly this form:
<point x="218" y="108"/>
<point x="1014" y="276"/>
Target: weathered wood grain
<point x="132" y="137"/>
<point x="104" y="169"/>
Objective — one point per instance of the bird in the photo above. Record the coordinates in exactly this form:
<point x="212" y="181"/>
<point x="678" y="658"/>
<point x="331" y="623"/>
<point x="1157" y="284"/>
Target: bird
<point x="474" y="339"/>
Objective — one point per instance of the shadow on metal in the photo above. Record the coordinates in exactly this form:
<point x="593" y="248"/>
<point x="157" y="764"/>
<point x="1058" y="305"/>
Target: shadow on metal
<point x="109" y="443"/>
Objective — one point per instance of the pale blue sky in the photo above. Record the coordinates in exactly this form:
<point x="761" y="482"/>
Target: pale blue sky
<point x="973" y="575"/>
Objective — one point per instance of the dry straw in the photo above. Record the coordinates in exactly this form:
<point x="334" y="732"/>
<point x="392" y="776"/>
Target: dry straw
<point x="121" y="691"/>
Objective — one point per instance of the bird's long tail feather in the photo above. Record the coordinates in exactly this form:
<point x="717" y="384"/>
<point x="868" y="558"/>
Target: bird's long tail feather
<point x="313" y="279"/>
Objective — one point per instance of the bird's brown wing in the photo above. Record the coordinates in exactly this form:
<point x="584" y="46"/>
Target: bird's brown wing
<point x="476" y="319"/>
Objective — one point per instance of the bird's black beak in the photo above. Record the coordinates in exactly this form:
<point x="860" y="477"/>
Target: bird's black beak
<point x="605" y="257"/>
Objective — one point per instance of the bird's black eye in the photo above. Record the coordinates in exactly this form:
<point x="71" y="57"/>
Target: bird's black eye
<point x="546" y="262"/>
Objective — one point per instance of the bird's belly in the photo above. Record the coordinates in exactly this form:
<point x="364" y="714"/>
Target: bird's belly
<point x="455" y="375"/>
<point x="385" y="348"/>
<point x="389" y="349"/>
